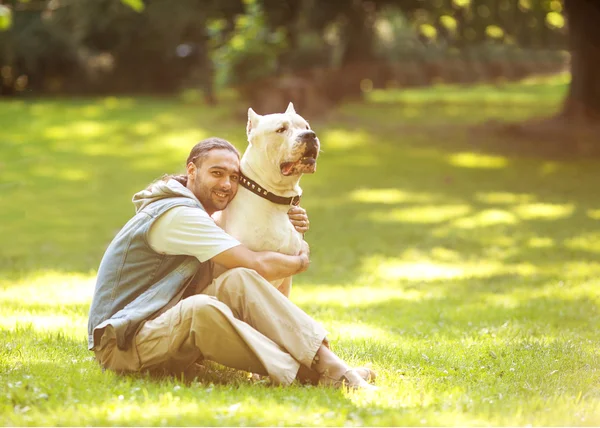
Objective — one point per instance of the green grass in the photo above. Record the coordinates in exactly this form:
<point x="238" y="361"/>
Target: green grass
<point x="469" y="279"/>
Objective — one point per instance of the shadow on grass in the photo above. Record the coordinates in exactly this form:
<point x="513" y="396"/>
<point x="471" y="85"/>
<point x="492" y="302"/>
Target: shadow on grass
<point x="460" y="315"/>
<point x="522" y="211"/>
<point x="380" y="195"/>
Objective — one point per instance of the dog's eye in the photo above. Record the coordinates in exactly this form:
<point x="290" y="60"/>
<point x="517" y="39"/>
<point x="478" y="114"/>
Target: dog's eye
<point x="282" y="129"/>
<point x="307" y="127"/>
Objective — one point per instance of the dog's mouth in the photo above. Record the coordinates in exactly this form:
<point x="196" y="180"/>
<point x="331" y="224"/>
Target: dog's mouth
<point x="307" y="164"/>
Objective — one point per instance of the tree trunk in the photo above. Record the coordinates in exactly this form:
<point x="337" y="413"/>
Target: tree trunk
<point x="358" y="34"/>
<point x="7" y="59"/>
<point x="583" y="100"/>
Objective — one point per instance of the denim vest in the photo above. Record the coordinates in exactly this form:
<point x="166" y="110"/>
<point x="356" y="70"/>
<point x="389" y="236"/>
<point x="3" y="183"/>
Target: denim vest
<point x="135" y="282"/>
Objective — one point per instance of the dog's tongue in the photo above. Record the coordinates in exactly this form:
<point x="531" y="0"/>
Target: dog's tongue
<point x="287" y="167"/>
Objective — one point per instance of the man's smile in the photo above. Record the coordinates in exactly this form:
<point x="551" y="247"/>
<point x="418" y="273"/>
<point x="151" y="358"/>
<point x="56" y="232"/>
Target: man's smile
<point x="221" y="195"/>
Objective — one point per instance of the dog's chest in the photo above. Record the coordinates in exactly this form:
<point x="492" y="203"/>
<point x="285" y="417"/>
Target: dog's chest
<point x="260" y="224"/>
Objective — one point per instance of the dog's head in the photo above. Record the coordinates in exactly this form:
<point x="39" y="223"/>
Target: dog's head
<point x="285" y="140"/>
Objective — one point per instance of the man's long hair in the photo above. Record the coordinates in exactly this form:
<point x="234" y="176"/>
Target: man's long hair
<point x="199" y="152"/>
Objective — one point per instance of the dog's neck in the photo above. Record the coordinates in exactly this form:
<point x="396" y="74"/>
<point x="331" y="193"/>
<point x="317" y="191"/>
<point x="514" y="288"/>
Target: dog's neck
<point x="258" y="169"/>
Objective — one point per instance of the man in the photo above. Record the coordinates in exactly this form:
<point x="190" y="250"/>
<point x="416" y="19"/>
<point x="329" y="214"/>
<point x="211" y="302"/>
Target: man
<point x="157" y="307"/>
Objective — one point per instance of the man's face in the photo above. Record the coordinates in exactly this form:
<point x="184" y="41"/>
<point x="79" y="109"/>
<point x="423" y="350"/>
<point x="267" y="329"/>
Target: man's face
<point x="215" y="181"/>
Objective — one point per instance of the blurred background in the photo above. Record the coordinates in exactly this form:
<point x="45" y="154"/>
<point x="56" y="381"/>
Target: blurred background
<point x="111" y="94"/>
<point x="269" y="52"/>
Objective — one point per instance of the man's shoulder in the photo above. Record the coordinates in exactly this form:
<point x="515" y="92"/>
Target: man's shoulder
<point x="186" y="214"/>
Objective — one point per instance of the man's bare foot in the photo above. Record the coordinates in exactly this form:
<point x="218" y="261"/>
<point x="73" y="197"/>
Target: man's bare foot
<point x="351" y="380"/>
<point x="335" y="372"/>
<point x="366" y="373"/>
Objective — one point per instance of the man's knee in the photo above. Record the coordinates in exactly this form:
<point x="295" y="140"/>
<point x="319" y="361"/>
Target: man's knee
<point x="243" y="279"/>
<point x="200" y="306"/>
<point x="242" y="273"/>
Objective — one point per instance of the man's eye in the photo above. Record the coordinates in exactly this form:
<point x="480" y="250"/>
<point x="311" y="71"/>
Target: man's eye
<point x="235" y="177"/>
<point x="217" y="173"/>
<point x="282" y="129"/>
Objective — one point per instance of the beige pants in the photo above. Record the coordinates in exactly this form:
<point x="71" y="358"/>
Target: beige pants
<point x="240" y="320"/>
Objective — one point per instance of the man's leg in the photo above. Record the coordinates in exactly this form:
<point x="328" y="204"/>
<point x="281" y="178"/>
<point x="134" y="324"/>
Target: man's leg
<point x="202" y="327"/>
<point x="255" y="301"/>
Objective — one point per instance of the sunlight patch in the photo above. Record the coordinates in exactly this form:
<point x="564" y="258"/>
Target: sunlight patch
<point x="183" y="140"/>
<point x="87" y="129"/>
<point x="112" y="103"/>
<point x="397" y="269"/>
<point x="352" y="297"/>
<point x="353" y="331"/>
<point x="544" y="211"/>
<point x="91" y="111"/>
<point x="501" y="300"/>
<point x="68" y="325"/>
<point x="594" y="214"/>
<point x="388" y="196"/>
<point x="442" y="253"/>
<point x="344" y="139"/>
<point x="486" y="218"/>
<point x="541" y="242"/>
<point x="579" y="269"/>
<point x="429" y="271"/>
<point x="49" y="300"/>
<point x="549" y="168"/>
<point x="560" y="291"/>
<point x="50" y="288"/>
<point x="504" y="197"/>
<point x="144" y="128"/>
<point x="56" y="132"/>
<point x="476" y="160"/>
<point x="72" y="174"/>
<point x="426" y="214"/>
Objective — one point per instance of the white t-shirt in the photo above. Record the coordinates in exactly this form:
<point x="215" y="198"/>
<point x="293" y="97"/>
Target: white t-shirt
<point x="189" y="231"/>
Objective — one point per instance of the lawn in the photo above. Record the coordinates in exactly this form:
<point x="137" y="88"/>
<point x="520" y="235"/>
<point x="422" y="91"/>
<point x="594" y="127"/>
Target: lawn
<point x="467" y="276"/>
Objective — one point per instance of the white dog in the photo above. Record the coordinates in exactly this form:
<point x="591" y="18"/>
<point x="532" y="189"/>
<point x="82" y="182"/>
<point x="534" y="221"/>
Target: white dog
<point x="281" y="148"/>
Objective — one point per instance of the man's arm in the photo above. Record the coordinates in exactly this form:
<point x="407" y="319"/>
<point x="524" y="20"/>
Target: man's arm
<point x="270" y="265"/>
<point x="190" y="231"/>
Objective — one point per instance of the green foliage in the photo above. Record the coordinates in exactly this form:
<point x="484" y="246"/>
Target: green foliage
<point x="252" y="51"/>
<point x="467" y="277"/>
<point x="39" y="49"/>
<point x="164" y="46"/>
<point x="112" y="46"/>
<point x="5" y="18"/>
<point x="137" y="5"/>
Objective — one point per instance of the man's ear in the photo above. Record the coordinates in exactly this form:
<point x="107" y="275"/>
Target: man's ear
<point x="191" y="169"/>
<point x="290" y="109"/>
<point x="253" y="119"/>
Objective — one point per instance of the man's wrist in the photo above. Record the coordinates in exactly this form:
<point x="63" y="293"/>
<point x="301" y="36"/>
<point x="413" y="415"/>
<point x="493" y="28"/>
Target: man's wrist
<point x="304" y="262"/>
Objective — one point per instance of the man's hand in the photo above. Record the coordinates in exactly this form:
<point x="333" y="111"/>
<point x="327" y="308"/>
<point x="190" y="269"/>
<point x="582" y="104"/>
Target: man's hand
<point x="305" y="257"/>
<point x="299" y="219"/>
<point x="269" y="264"/>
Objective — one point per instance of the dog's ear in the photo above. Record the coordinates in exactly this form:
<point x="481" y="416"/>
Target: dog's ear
<point x="290" y="109"/>
<point x="253" y="119"/>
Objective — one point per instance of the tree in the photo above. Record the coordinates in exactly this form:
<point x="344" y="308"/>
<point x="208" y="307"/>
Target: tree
<point x="583" y="100"/>
<point x="576" y="127"/>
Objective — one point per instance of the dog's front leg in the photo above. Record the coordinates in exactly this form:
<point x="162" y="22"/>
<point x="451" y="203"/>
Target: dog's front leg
<point x="286" y="287"/>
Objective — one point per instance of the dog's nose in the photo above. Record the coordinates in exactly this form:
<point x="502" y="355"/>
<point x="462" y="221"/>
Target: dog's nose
<point x="308" y="136"/>
<point x="312" y="145"/>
